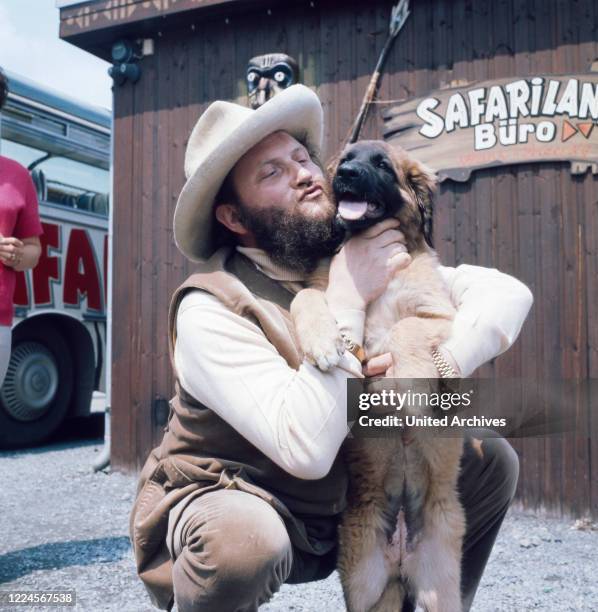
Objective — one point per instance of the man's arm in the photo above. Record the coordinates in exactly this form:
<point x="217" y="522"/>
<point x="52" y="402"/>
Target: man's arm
<point x="491" y="309"/>
<point x="295" y="417"/>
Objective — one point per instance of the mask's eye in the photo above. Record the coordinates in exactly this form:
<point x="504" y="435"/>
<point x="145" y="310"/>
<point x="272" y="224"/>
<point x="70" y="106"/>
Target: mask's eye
<point x="252" y="77"/>
<point x="279" y="76"/>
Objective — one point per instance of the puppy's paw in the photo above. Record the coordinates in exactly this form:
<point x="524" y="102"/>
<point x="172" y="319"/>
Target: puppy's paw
<point x="322" y="344"/>
<point x="317" y="331"/>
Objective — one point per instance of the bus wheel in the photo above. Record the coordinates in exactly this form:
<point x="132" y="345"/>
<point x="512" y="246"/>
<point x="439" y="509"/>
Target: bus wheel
<point x="37" y="389"/>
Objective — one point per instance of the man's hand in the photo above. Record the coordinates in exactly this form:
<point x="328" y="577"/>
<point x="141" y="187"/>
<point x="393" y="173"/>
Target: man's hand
<point x="379" y="365"/>
<point x="361" y="270"/>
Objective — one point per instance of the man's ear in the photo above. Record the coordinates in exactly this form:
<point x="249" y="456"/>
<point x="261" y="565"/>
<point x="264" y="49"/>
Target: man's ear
<point x="228" y="215"/>
<point x="423" y="182"/>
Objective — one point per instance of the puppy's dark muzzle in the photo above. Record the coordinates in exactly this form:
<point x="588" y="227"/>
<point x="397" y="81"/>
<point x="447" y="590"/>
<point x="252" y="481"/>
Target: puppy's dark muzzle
<point x="350" y="177"/>
<point x="349" y="171"/>
<point x="350" y="180"/>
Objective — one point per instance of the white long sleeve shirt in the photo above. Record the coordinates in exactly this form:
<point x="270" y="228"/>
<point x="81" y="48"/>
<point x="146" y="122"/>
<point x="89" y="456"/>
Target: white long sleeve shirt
<point x="298" y="417"/>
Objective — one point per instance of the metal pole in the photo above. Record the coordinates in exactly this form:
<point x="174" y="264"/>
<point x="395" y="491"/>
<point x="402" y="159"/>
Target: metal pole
<point x="104" y="459"/>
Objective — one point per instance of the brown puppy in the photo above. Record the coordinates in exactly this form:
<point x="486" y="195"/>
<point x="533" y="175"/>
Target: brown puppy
<point x="403" y="528"/>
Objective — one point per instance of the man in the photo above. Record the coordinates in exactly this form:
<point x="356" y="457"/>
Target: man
<point x="246" y="490"/>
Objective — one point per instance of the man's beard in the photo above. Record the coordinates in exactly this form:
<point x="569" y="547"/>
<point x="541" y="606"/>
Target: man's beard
<point x="292" y="240"/>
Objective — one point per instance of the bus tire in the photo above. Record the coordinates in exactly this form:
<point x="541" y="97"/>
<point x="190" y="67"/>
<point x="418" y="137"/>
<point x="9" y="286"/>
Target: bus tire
<point x="38" y="386"/>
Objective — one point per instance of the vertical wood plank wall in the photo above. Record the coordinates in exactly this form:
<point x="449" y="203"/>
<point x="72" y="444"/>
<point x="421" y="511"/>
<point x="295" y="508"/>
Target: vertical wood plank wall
<point x="535" y="221"/>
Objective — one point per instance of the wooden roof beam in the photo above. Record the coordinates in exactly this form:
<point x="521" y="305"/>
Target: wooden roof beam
<point x="96" y="24"/>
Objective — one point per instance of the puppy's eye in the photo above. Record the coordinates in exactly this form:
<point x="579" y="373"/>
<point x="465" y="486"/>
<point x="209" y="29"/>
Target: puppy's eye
<point x="383" y="164"/>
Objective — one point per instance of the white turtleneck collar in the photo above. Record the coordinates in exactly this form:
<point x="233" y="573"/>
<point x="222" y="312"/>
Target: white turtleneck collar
<point x="276" y="271"/>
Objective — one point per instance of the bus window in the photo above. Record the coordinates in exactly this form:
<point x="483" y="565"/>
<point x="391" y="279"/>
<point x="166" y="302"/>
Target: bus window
<point x="76" y="184"/>
<point x="24" y="154"/>
<point x="63" y="181"/>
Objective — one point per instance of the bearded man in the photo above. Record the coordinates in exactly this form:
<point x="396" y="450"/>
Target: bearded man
<point x="247" y="487"/>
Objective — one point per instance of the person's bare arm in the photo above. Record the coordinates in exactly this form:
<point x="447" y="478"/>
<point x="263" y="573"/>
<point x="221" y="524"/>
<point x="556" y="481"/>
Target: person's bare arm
<point x="20" y="254"/>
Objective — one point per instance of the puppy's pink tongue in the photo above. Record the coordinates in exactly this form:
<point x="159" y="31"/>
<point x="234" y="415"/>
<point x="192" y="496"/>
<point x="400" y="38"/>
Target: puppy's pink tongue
<point x="352" y="210"/>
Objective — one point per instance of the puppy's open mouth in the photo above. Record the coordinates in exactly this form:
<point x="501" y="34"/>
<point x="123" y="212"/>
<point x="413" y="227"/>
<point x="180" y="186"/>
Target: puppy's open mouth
<point x="353" y="210"/>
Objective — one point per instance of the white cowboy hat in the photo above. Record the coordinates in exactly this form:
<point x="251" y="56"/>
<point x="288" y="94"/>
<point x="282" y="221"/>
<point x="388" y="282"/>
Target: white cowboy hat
<point x="221" y="136"/>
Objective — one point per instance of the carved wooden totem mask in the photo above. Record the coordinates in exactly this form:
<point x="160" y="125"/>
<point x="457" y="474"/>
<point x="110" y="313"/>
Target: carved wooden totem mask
<point x="268" y="74"/>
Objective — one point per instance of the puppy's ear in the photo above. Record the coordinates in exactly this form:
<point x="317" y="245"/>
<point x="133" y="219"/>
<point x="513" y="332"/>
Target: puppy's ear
<point x="423" y="182"/>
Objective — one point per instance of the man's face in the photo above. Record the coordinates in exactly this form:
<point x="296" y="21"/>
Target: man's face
<point x="278" y="173"/>
<point x="284" y="202"/>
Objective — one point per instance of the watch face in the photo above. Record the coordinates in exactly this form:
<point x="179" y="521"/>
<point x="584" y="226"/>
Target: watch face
<point x="269" y="74"/>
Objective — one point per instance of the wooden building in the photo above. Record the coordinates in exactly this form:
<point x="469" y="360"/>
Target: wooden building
<point x="535" y="220"/>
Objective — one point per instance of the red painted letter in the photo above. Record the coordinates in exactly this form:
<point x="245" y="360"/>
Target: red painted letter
<point x="47" y="268"/>
<point x="81" y="272"/>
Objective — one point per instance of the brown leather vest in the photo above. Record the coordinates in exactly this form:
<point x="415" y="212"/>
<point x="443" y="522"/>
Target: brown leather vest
<point x="201" y="452"/>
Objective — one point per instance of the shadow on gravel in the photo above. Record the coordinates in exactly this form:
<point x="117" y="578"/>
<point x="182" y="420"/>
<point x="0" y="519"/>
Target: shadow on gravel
<point x="56" y="555"/>
<point x="79" y="431"/>
<point x="80" y="428"/>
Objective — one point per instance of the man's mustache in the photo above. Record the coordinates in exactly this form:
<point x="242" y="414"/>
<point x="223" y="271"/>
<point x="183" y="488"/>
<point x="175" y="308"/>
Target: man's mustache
<point x="314" y="185"/>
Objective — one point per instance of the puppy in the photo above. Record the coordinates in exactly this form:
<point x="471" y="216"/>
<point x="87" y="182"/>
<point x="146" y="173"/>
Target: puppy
<point x="402" y="531"/>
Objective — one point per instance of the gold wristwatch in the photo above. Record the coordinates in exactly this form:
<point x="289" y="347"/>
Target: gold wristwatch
<point x="444" y="368"/>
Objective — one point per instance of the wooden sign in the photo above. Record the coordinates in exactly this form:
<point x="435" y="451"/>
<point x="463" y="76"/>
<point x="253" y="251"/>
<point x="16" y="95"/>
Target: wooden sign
<point x="506" y="121"/>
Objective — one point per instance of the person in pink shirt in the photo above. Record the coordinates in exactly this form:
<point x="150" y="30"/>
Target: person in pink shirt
<point x="20" y="228"/>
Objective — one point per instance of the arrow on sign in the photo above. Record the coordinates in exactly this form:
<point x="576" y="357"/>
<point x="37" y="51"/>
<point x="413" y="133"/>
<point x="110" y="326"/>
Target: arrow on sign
<point x="569" y="130"/>
<point x="585" y="128"/>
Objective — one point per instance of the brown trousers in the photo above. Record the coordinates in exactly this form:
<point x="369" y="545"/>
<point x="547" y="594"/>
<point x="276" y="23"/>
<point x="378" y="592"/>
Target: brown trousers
<point x="232" y="551"/>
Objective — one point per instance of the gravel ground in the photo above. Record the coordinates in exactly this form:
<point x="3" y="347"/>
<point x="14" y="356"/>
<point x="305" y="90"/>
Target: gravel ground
<point x="63" y="526"/>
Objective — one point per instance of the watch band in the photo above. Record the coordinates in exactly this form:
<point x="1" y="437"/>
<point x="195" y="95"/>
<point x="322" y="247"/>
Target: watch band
<point x="354" y="348"/>
<point x="444" y="368"/>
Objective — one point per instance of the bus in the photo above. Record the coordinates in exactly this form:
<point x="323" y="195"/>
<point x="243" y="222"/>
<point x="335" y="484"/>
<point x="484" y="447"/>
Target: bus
<point x="59" y="332"/>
